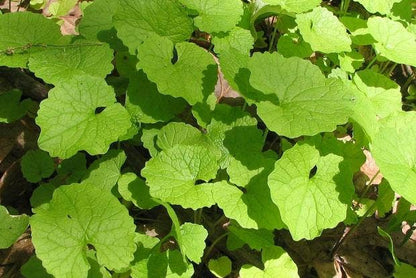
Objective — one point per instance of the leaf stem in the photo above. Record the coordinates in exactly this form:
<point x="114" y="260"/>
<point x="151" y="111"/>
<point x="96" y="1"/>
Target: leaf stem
<point x="371" y="62"/>
<point x="211" y="247"/>
<point x="271" y="43"/>
<point x="344" y="6"/>
<point x="368" y="186"/>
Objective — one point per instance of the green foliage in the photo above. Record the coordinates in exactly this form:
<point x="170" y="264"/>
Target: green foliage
<point x="82" y="214"/>
<point x="37" y="165"/>
<point x="12" y="227"/>
<point x="69" y="120"/>
<point x="277" y="263"/>
<point x="11" y="108"/>
<point x="140" y="134"/>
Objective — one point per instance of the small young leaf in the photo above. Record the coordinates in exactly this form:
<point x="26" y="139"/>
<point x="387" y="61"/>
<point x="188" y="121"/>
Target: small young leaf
<point x="193" y="241"/>
<point x="36" y="165"/>
<point x="105" y="171"/>
<point x="11" y="109"/>
<point x="134" y="189"/>
<point x="11" y="228"/>
<point x="77" y="216"/>
<point x="97" y="21"/>
<point x="220" y="267"/>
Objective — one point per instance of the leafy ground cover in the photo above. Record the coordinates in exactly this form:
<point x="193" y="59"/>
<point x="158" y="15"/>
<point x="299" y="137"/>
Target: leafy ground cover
<point x="195" y="138"/>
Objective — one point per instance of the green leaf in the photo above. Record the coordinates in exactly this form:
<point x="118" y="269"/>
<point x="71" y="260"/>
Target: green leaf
<point x="320" y="26"/>
<point x="238" y="38"/>
<point x="105" y="171"/>
<point x="61" y="7"/>
<point x="381" y="91"/>
<point x="256" y="239"/>
<point x="193" y="241"/>
<point x="134" y="189"/>
<point x="393" y="40"/>
<point x="385" y="199"/>
<point x="378" y="6"/>
<point x="308" y="201"/>
<point x="71" y="170"/>
<point x="294" y="6"/>
<point x="350" y="62"/>
<point x="404" y="270"/>
<point x="252" y="209"/>
<point x="358" y="29"/>
<point x="56" y="65"/>
<point x="97" y="21"/>
<point x="11" y="109"/>
<point x="33" y="269"/>
<point x="82" y="215"/>
<point x="146" y="105"/>
<point x="20" y="33"/>
<point x="70" y="122"/>
<point x="295" y="101"/>
<point x="215" y="16"/>
<point x="173" y="173"/>
<point x="137" y="20"/>
<point x="11" y="228"/>
<point x="37" y="165"/>
<point x="192" y="76"/>
<point x="277" y="263"/>
<point x="290" y="45"/>
<point x="220" y="267"/>
<point x="394" y="150"/>
<point x="167" y="264"/>
<point x="246" y="159"/>
<point x="41" y="196"/>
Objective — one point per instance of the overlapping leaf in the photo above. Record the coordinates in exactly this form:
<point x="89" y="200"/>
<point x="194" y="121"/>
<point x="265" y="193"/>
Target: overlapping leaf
<point x="215" y="16"/>
<point x="192" y="76"/>
<point x="146" y="105"/>
<point x="172" y="176"/>
<point x="294" y="6"/>
<point x="80" y="215"/>
<point x="58" y="65"/>
<point x="24" y="33"/>
<point x="393" y="40"/>
<point x="36" y="165"/>
<point x="321" y="26"/>
<point x="70" y="122"/>
<point x="301" y="106"/>
<point x="378" y="6"/>
<point x="137" y="20"/>
<point x="12" y="227"/>
<point x="193" y="238"/>
<point x="11" y="108"/>
<point x="394" y="150"/>
<point x="277" y="263"/>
